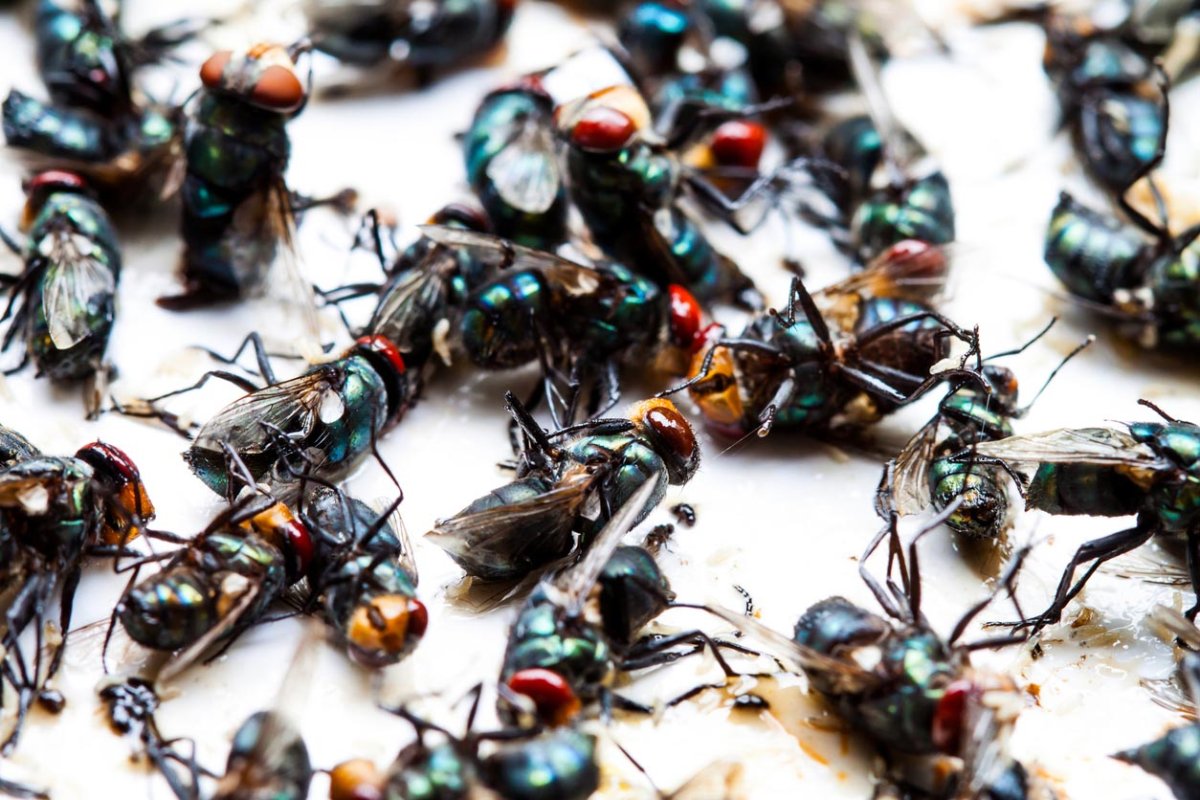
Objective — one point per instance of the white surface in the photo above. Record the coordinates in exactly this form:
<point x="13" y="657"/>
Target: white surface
<point x="785" y="518"/>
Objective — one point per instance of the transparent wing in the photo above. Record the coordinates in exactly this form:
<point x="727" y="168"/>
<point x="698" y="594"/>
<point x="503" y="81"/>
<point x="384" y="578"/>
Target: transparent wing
<point x="406" y="556"/>
<point x="511" y="533"/>
<point x="576" y="583"/>
<point x="75" y="275"/>
<point x="572" y="277"/>
<point x="292" y="406"/>
<point x="405" y="304"/>
<point x="1103" y="446"/>
<point x="525" y="172"/>
<point x="910" y="471"/>
<point x="918" y="274"/>
<point x="280" y="223"/>
<point x="845" y="676"/>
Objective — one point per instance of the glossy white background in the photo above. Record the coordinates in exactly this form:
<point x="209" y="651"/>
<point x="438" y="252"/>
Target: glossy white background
<point x="786" y="518"/>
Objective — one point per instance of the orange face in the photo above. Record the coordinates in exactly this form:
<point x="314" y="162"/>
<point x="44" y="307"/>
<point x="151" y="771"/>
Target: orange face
<point x="357" y="779"/>
<point x="389" y="625"/>
<point x="128" y="504"/>
<point x="717" y="394"/>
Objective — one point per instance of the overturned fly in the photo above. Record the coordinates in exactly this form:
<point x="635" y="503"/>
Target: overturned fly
<point x="63" y="304"/>
<point x="55" y="513"/>
<point x="96" y="120"/>
<point x="364" y="576"/>
<point x="571" y="482"/>
<point x="842" y="358"/>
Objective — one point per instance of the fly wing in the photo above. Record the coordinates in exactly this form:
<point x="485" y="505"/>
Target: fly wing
<point x="576" y="583"/>
<point x="1100" y="446"/>
<point x="75" y="277"/>
<point x="910" y="471"/>
<point x="918" y="275"/>
<point x="570" y="276"/>
<point x="280" y="223"/>
<point x="404" y="306"/>
<point x="406" y="556"/>
<point x="500" y="539"/>
<point x="292" y="406"/>
<point x="525" y="173"/>
<point x="843" y="675"/>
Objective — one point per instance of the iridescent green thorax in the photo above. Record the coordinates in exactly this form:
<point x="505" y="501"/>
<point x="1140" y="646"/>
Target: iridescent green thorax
<point x="512" y="166"/>
<point x="627" y="199"/>
<point x="920" y="210"/>
<point x="335" y="439"/>
<point x="1175" y="758"/>
<point x="496" y="329"/>
<point x="286" y="777"/>
<point x="1175" y="497"/>
<point x="558" y="765"/>
<point x="1123" y="131"/>
<point x="632" y="462"/>
<point x="605" y="324"/>
<point x="236" y="154"/>
<point x="435" y="773"/>
<point x="543" y="637"/>
<point x="1091" y="253"/>
<point x="968" y="417"/>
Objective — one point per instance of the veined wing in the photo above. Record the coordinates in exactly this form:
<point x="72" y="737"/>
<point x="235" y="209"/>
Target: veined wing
<point x="910" y="471"/>
<point x="504" y="538"/>
<point x="525" y="173"/>
<point x="411" y="302"/>
<point x="1100" y="446"/>
<point x="293" y="406"/>
<point x="571" y="276"/>
<point x="916" y="273"/>
<point x="75" y="276"/>
<point x="576" y="582"/>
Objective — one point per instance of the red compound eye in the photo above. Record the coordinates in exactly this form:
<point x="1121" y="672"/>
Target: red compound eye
<point x="300" y="542"/>
<point x="383" y="346"/>
<point x="919" y="259"/>
<point x="278" y="89"/>
<point x="685" y="316"/>
<point x="673" y="430"/>
<point x="418" y="618"/>
<point x="603" y="129"/>
<point x="554" y="698"/>
<point x="739" y="144"/>
<point x="111" y="459"/>
<point x="948" y="716"/>
<point x="54" y="179"/>
<point x="214" y="68"/>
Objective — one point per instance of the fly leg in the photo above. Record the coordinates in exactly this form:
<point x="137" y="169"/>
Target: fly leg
<point x="1098" y="551"/>
<point x="1193" y="562"/>
<point x="51" y="699"/>
<point x="342" y="202"/>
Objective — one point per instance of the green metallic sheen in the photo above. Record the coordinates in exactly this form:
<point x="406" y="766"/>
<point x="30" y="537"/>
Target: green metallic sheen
<point x="541" y="637"/>
<point x="1091" y="253"/>
<point x="919" y="210"/>
<point x="558" y="765"/>
<point x="287" y="777"/>
<point x="437" y="773"/>
<point x="336" y="445"/>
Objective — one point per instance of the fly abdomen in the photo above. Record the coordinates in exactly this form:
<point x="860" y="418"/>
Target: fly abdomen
<point x="1083" y="489"/>
<point x="1119" y="132"/>
<point x="59" y="132"/>
<point x="1092" y="254"/>
<point x="170" y="610"/>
